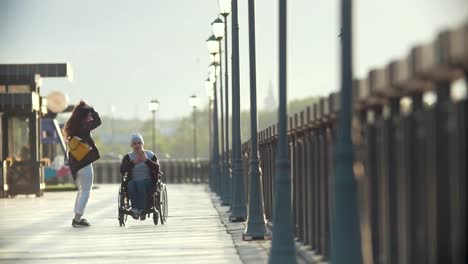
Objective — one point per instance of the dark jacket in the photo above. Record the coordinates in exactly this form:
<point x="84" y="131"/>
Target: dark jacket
<point x="85" y="133"/>
<point x="127" y="165"/>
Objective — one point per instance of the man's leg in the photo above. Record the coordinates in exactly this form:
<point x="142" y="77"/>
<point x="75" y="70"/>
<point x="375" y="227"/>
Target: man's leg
<point x="141" y="198"/>
<point x="133" y="192"/>
<point x="147" y="189"/>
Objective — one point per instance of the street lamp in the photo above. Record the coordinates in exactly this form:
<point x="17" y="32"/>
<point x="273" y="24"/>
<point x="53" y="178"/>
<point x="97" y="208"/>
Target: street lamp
<point x="256" y="222"/>
<point x="213" y="45"/>
<point x="224" y="7"/>
<point x="209" y="93"/>
<point x="215" y="58"/>
<point x="345" y="233"/>
<point x="282" y="245"/>
<point x="218" y="32"/>
<point x="224" y="10"/>
<point x="193" y="102"/>
<point x="214" y="71"/>
<point x="218" y="28"/>
<point x="153" y="107"/>
<point x="238" y="206"/>
<point x="215" y="169"/>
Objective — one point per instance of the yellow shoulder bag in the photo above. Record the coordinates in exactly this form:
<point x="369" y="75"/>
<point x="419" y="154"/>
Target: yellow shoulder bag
<point x="78" y="148"/>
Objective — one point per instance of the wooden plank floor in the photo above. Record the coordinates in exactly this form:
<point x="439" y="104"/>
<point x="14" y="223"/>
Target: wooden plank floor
<point x="38" y="230"/>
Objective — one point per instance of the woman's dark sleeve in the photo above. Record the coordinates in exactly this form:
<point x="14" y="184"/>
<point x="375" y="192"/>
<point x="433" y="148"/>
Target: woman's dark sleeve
<point x="126" y="165"/>
<point x="96" y="120"/>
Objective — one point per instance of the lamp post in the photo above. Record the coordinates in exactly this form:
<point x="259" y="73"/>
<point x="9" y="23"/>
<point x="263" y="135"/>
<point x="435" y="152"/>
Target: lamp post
<point x="209" y="93"/>
<point x="218" y="31"/>
<point x="224" y="7"/>
<point x="214" y="49"/>
<point x="213" y="46"/>
<point x="224" y="10"/>
<point x="193" y="102"/>
<point x="215" y="169"/>
<point x="238" y="206"/>
<point x="256" y="222"/>
<point x="282" y="244"/>
<point x="345" y="234"/>
<point x="153" y="107"/>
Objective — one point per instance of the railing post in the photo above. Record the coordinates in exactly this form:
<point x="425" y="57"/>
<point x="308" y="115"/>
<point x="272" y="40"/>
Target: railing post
<point x="292" y="170"/>
<point x="330" y="164"/>
<point x="216" y="170"/>
<point x="268" y="173"/>
<point x="316" y="179"/>
<point x="324" y="179"/>
<point x="308" y="185"/>
<point x="445" y="125"/>
<point x="304" y="177"/>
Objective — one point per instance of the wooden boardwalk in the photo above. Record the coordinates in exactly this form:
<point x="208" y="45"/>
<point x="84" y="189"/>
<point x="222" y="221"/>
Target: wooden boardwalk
<point x="38" y="230"/>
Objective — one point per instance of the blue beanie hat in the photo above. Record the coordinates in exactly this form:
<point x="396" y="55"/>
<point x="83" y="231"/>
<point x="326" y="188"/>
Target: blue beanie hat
<point x="137" y="138"/>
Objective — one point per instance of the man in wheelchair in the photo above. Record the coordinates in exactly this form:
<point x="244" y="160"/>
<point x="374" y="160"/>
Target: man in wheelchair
<point x="141" y="173"/>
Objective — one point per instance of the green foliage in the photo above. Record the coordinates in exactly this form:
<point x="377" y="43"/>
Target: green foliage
<point x="174" y="138"/>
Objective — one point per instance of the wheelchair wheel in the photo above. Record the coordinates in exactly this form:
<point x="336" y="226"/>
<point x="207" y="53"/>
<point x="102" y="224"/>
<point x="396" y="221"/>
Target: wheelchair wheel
<point x="156" y="207"/>
<point x="121" y="205"/>
<point x="164" y="205"/>
<point x="155" y="217"/>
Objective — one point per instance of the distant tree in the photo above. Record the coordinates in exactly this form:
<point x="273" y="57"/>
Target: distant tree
<point x="178" y="144"/>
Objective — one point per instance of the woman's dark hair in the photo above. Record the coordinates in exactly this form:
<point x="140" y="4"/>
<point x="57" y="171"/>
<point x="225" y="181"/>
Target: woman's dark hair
<point x="80" y="112"/>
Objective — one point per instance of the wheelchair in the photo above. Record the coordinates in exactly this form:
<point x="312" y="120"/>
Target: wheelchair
<point x="158" y="206"/>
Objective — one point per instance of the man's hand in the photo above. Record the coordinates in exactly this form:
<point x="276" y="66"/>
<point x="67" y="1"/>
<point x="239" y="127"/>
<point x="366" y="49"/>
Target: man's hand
<point x="142" y="154"/>
<point x="141" y="157"/>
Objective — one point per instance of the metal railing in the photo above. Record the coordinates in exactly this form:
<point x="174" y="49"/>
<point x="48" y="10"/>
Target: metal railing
<point x="311" y="141"/>
<point x="409" y="135"/>
<point x="175" y="171"/>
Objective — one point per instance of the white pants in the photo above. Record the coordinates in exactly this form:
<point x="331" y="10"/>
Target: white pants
<point x="84" y="181"/>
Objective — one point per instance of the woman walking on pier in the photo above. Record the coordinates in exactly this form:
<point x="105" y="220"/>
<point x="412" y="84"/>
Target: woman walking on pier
<point x="83" y="119"/>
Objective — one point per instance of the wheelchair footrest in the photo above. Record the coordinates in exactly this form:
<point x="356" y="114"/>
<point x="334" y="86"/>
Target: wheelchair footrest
<point x="129" y="212"/>
<point x="125" y="211"/>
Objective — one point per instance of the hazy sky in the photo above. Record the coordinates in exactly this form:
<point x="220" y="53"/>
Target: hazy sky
<point x="125" y="53"/>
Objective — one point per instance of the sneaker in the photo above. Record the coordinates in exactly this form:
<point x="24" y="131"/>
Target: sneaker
<point x="135" y="213"/>
<point x="142" y="215"/>
<point x="80" y="223"/>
